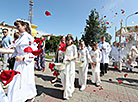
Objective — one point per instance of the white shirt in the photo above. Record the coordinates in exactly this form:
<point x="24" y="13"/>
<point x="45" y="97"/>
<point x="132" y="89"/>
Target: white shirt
<point x="106" y="52"/>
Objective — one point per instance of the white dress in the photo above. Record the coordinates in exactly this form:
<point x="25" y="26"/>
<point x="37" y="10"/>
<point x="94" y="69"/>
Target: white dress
<point x="85" y="58"/>
<point x="96" y="70"/>
<point x="22" y="87"/>
<point x="68" y="74"/>
<point x="3" y="97"/>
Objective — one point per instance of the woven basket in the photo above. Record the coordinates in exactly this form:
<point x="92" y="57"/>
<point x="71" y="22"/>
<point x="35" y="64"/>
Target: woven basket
<point x="60" y="66"/>
<point x="79" y="64"/>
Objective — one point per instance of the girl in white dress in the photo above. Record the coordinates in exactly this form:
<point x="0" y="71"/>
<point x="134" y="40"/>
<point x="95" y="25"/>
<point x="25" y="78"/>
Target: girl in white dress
<point x="68" y="74"/>
<point x="22" y="87"/>
<point x="96" y="58"/>
<point x="85" y="58"/>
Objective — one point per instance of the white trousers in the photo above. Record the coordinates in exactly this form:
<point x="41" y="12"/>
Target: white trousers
<point x="83" y="75"/>
<point x="68" y="79"/>
<point x="96" y="77"/>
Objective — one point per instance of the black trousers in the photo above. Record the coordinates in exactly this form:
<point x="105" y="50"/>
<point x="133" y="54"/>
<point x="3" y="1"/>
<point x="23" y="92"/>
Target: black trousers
<point x="103" y="68"/>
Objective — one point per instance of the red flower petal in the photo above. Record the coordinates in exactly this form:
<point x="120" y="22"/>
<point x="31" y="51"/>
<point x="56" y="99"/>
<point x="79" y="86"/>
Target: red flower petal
<point x="94" y="90"/>
<point x="122" y="11"/>
<point x="37" y="40"/>
<point x="51" y="66"/>
<point x="47" y="13"/>
<point x="107" y="22"/>
<point x="89" y="86"/>
<point x="115" y="67"/>
<point x="13" y="41"/>
<point x="37" y="52"/>
<point x="28" y="49"/>
<point x="110" y="79"/>
<point x="100" y="88"/>
<point x="131" y="65"/>
<point x="31" y="57"/>
<point x="29" y="43"/>
<point x="120" y="82"/>
<point x="54" y="74"/>
<point x="126" y="40"/>
<point x="125" y="75"/>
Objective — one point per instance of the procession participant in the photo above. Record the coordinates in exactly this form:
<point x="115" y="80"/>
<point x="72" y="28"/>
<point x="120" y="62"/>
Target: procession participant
<point x="60" y="54"/>
<point x="22" y="87"/>
<point x="96" y="58"/>
<point x="85" y="58"/>
<point x="60" y="51"/>
<point x="105" y="50"/>
<point x="68" y="74"/>
<point x="40" y="59"/>
<point x="89" y="48"/>
<point x="113" y="52"/>
<point x="11" y="59"/>
<point x="131" y="58"/>
<point x="120" y="57"/>
<point x="6" y="41"/>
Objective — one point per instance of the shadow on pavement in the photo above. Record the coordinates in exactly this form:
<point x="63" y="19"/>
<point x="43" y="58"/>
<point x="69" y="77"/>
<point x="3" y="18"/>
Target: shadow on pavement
<point x="76" y="83"/>
<point x="58" y="85"/>
<point x="123" y="70"/>
<point x="44" y="77"/>
<point x="55" y="93"/>
<point x="133" y="86"/>
<point x="128" y="80"/>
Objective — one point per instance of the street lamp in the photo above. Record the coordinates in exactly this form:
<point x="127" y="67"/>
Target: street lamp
<point x="128" y="17"/>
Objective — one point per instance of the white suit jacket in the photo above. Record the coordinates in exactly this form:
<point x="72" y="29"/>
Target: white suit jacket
<point x="106" y="52"/>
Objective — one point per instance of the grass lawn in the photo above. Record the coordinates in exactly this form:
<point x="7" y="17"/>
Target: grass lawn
<point x="49" y="57"/>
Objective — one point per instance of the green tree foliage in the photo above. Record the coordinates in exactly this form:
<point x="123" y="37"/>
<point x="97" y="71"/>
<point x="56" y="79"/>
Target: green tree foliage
<point x="51" y="45"/>
<point x="76" y="42"/>
<point x="95" y="29"/>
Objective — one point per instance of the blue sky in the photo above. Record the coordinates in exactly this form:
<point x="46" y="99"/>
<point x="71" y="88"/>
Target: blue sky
<point x="68" y="16"/>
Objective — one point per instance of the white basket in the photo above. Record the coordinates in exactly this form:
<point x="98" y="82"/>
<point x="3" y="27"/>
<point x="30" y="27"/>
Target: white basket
<point x="79" y="64"/>
<point x="60" y="66"/>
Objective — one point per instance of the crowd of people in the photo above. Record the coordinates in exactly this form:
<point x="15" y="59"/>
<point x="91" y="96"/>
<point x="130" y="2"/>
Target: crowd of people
<point x="97" y="57"/>
<point x="22" y="87"/>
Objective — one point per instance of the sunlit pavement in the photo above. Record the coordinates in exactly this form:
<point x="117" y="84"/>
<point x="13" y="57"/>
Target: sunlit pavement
<point x="110" y="90"/>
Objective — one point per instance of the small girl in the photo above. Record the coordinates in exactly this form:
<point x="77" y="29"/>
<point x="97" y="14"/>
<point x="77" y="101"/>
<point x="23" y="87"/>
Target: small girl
<point x="96" y="58"/>
<point x="60" y="51"/>
<point x="85" y="58"/>
<point x="68" y="74"/>
<point x="40" y="60"/>
<point x="60" y="54"/>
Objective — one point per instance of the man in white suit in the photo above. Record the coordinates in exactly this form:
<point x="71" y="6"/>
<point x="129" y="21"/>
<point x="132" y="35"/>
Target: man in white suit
<point x="105" y="49"/>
